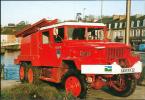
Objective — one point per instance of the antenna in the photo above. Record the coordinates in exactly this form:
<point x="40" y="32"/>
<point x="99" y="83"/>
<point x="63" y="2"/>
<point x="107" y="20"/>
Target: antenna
<point x="84" y="13"/>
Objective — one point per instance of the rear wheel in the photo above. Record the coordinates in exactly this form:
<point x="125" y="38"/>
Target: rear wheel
<point x="22" y="73"/>
<point x="34" y="75"/>
<point x="123" y="85"/>
<point x="75" y="84"/>
<point x="30" y="75"/>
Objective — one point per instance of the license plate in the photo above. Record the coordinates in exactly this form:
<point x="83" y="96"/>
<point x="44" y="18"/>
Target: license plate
<point x="128" y="70"/>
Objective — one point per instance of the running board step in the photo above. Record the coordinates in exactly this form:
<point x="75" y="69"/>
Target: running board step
<point x="49" y="79"/>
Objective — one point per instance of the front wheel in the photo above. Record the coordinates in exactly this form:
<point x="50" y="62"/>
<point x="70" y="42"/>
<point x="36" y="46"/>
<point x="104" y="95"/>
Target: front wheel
<point x="123" y="85"/>
<point x="75" y="83"/>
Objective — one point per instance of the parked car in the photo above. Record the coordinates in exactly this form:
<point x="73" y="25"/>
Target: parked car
<point x="142" y="47"/>
<point x="142" y="77"/>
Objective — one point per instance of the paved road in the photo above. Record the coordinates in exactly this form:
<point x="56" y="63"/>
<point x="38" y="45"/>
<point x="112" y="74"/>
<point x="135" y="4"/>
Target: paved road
<point x="9" y="83"/>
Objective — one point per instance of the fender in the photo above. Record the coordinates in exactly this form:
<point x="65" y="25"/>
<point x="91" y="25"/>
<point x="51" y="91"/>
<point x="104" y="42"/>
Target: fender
<point x="77" y="61"/>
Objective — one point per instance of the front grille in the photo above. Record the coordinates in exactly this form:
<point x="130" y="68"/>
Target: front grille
<point x="114" y="53"/>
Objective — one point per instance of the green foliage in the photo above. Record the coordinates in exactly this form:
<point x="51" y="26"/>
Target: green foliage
<point x="21" y="25"/>
<point x="34" y="92"/>
<point x="14" y="29"/>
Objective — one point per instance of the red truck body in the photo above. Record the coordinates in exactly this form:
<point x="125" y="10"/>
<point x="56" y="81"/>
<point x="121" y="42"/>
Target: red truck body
<point x="48" y="47"/>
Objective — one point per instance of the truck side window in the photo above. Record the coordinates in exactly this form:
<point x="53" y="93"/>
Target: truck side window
<point x="45" y="37"/>
<point x="59" y="35"/>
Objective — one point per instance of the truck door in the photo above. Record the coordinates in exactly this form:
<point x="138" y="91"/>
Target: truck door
<point x="47" y="53"/>
<point x="58" y="37"/>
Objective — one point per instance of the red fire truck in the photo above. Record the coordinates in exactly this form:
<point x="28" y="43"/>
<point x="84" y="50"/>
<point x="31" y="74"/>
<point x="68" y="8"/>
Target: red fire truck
<point x="77" y="55"/>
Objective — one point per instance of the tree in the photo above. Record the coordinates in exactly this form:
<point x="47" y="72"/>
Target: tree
<point x="21" y="25"/>
<point x="90" y="18"/>
<point x="13" y="30"/>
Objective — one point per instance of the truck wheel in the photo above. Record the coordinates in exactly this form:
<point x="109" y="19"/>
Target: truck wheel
<point x="33" y="75"/>
<point x="23" y="72"/>
<point x="123" y="86"/>
<point x="30" y="75"/>
<point x="75" y="84"/>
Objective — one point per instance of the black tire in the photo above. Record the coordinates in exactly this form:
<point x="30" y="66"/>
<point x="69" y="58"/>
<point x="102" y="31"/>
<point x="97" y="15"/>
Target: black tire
<point x="23" y="65"/>
<point x="81" y="79"/>
<point x="129" y="89"/>
<point x="36" y="74"/>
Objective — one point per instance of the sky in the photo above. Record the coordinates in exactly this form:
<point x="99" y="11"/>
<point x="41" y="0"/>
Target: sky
<point x="33" y="11"/>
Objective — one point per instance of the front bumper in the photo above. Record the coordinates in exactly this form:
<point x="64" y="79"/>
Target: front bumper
<point x="114" y="68"/>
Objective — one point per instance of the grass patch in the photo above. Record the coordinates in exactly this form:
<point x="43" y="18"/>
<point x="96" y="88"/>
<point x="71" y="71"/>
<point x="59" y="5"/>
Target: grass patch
<point x="34" y="92"/>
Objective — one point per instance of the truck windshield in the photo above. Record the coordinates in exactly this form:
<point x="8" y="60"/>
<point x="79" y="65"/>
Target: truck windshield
<point x="95" y="34"/>
<point x="91" y="34"/>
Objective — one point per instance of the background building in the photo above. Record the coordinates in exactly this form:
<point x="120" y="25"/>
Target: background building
<point x="117" y="24"/>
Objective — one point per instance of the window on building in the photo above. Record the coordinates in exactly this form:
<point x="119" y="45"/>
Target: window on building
<point x="138" y="22"/>
<point x="124" y="24"/>
<point x="132" y="24"/>
<point x="138" y="33"/>
<point x="121" y="34"/>
<point x="144" y="22"/>
<point x="132" y="33"/>
<point x="143" y="33"/>
<point x="45" y="37"/>
<point x="116" y="25"/>
<point x="109" y="26"/>
<point x="120" y="25"/>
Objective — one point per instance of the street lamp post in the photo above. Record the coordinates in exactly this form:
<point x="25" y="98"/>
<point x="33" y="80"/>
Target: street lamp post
<point x="84" y="13"/>
<point x="128" y="8"/>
